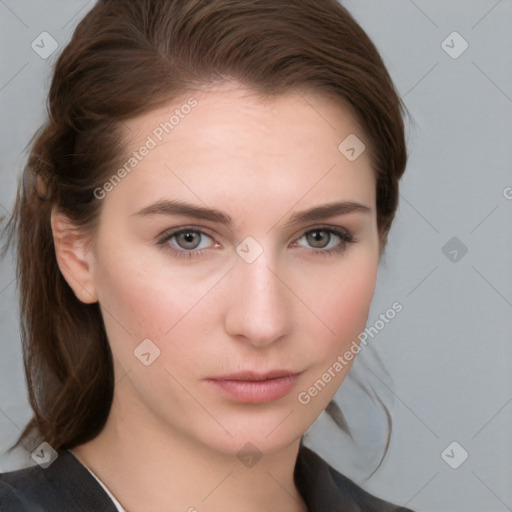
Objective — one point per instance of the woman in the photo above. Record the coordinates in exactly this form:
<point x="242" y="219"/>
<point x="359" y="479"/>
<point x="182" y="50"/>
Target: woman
<point x="208" y="203"/>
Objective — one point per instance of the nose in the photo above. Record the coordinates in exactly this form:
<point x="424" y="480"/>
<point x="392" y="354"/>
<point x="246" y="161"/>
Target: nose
<point x="259" y="304"/>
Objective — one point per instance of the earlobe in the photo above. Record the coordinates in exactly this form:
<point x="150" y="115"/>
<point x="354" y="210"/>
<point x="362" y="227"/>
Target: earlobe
<point x="74" y="257"/>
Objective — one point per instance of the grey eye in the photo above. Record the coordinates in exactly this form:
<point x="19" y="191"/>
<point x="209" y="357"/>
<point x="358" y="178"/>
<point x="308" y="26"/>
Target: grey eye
<point x="319" y="238"/>
<point x="190" y="240"/>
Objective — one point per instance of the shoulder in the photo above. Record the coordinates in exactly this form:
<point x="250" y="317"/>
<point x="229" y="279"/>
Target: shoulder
<point x="64" y="485"/>
<point x="324" y="488"/>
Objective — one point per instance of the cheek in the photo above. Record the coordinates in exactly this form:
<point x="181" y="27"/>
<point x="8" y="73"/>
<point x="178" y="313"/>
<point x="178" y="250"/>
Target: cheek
<point x="342" y="304"/>
<point x="140" y="301"/>
<point x="342" y="299"/>
<point x="349" y="309"/>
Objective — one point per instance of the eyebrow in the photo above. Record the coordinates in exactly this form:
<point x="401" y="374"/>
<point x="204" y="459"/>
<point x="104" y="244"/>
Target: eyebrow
<point x="317" y="213"/>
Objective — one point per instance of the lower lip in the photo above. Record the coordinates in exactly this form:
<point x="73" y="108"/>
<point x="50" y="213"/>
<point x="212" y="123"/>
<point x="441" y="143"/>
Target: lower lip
<point x="256" y="391"/>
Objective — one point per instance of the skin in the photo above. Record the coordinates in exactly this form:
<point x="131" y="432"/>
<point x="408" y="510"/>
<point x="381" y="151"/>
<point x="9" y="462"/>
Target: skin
<point x="171" y="439"/>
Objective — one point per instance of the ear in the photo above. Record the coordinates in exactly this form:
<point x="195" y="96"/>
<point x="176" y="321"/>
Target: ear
<point x="74" y="257"/>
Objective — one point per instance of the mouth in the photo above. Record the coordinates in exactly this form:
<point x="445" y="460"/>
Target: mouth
<point x="253" y="387"/>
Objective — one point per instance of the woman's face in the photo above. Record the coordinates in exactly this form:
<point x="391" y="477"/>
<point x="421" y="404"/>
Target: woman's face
<point x="243" y="244"/>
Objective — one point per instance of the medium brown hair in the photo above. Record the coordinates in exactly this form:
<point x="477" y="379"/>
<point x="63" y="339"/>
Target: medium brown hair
<point x="127" y="57"/>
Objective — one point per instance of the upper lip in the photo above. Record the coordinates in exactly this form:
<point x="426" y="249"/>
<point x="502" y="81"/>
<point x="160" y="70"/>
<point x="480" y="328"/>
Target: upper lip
<point x="250" y="375"/>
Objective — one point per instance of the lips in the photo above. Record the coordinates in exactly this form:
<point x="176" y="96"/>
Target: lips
<point x="254" y="387"/>
<point x="252" y="376"/>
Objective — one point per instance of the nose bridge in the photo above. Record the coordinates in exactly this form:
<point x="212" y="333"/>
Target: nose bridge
<point x="260" y="283"/>
<point x="258" y="305"/>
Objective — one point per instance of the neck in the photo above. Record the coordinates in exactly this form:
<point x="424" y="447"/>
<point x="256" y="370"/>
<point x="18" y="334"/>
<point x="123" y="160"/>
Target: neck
<point x="147" y="466"/>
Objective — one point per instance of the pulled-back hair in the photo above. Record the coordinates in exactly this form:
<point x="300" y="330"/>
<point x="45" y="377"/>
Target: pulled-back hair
<point x="126" y="58"/>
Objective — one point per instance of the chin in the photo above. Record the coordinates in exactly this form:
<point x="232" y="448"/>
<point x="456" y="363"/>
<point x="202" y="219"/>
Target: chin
<point x="267" y="435"/>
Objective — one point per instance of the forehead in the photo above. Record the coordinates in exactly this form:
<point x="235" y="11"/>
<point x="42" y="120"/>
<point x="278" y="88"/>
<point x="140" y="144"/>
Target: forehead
<point x="230" y="107"/>
<point x="229" y="145"/>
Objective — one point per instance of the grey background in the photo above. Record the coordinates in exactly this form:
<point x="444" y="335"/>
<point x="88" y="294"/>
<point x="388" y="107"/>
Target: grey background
<point x="448" y="353"/>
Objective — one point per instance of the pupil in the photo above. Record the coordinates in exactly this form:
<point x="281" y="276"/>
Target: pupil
<point x="189" y="239"/>
<point x="319" y="238"/>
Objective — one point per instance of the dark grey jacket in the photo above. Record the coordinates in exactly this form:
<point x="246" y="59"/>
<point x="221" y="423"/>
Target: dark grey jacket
<point x="67" y="486"/>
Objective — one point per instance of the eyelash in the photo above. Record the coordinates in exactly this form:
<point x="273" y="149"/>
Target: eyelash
<point x="345" y="237"/>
